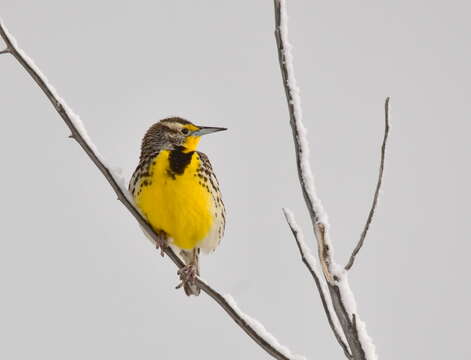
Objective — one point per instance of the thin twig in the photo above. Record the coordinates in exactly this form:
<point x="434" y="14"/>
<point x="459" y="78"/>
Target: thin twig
<point x="309" y="261"/>
<point x="378" y="187"/>
<point x="77" y="135"/>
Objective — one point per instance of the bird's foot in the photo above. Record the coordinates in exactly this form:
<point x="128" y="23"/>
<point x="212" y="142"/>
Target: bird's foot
<point x="162" y="242"/>
<point x="188" y="274"/>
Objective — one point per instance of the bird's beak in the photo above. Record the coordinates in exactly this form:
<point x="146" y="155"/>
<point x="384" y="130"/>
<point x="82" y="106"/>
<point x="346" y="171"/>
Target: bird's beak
<point x="203" y="130"/>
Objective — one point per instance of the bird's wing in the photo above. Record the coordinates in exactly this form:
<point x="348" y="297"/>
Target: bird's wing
<point x="217" y="232"/>
<point x="141" y="170"/>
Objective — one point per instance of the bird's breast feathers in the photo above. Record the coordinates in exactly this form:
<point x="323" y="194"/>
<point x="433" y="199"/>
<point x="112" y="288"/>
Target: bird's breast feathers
<point x="178" y="193"/>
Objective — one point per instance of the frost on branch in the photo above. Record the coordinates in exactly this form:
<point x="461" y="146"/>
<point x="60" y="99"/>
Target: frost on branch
<point x="261" y="331"/>
<point x="311" y="263"/>
<point x="297" y="119"/>
<point x="341" y="298"/>
<point x="59" y="103"/>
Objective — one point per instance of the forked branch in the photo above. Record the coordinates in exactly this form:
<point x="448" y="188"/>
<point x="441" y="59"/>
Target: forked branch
<point x="78" y="133"/>
<point x="341" y="297"/>
<point x="310" y="262"/>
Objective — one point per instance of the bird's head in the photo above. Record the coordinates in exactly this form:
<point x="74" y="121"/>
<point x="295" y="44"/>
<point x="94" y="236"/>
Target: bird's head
<point x="173" y="133"/>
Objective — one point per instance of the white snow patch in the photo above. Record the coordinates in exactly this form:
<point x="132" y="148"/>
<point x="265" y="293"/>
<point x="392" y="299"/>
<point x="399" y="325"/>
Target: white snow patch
<point x="348" y="299"/>
<point x="306" y="172"/>
<point x="311" y="260"/>
<point x="366" y="342"/>
<point x="349" y="302"/>
<point x="118" y="176"/>
<point x="261" y="331"/>
<point x="300" y="239"/>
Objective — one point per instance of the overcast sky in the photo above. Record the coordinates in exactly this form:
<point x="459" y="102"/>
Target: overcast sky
<point x="79" y="279"/>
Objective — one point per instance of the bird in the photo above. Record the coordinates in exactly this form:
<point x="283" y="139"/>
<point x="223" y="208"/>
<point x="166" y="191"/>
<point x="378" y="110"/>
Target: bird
<point x="177" y="192"/>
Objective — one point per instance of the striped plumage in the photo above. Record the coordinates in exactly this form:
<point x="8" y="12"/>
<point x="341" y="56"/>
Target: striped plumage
<point x="176" y="190"/>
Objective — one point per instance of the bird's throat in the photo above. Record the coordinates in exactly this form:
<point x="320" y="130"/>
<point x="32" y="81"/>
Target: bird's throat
<point x="179" y="159"/>
<point x="191" y="143"/>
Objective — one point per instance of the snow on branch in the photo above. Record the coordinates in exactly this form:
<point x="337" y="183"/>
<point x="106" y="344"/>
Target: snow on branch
<point x="310" y="261"/>
<point x="341" y="297"/>
<point x="59" y="103"/>
<point x="296" y="115"/>
<point x="262" y="331"/>
<point x="78" y="132"/>
<point x="377" y="190"/>
<point x="314" y="205"/>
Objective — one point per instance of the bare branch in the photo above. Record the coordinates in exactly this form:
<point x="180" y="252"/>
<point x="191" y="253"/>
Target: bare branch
<point x="309" y="261"/>
<point x="78" y="133"/>
<point x="378" y="187"/>
<point x="6" y="38"/>
<point x="5" y="51"/>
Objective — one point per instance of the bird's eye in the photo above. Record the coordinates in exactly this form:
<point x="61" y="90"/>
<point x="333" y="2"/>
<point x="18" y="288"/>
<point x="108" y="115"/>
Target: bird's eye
<point x="185" y="131"/>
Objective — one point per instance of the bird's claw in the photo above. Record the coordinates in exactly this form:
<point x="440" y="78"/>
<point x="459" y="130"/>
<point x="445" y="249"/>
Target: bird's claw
<point x="161" y="243"/>
<point x="187" y="274"/>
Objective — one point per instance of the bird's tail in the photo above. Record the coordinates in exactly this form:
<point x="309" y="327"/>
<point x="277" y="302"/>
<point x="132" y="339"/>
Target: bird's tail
<point x="191" y="258"/>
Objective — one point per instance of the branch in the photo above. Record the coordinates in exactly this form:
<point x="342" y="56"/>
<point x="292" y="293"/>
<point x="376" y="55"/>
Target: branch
<point x="79" y="134"/>
<point x="342" y="298"/>
<point x="378" y="187"/>
<point x="317" y="213"/>
<point x="310" y="262"/>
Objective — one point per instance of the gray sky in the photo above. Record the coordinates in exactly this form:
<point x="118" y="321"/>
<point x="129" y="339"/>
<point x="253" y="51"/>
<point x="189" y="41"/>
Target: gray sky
<point x="78" y="278"/>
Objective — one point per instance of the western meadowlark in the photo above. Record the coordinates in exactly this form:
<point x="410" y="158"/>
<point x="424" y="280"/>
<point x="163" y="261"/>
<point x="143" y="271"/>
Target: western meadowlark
<point x="176" y="190"/>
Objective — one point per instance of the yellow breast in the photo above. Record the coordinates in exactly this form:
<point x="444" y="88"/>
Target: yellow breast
<point x="178" y="204"/>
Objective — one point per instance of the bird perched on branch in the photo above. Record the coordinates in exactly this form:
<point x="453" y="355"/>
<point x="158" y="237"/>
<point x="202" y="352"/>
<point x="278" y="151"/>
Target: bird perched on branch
<point x="176" y="190"/>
